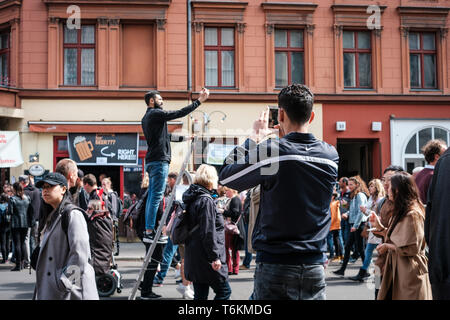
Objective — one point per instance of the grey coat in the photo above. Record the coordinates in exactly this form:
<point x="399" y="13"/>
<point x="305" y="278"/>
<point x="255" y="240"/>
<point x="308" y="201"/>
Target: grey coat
<point x="63" y="271"/>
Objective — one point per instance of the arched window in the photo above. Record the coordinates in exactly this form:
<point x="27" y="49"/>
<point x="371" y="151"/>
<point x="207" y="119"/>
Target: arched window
<point x="413" y="152"/>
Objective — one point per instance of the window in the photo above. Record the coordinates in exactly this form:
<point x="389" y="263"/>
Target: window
<point x="138" y="45"/>
<point x="289" y="57"/>
<point x="79" y="56"/>
<point x="422" y="60"/>
<point x="357" y="59"/>
<point x="4" y="59"/>
<point x="413" y="154"/>
<point x="219" y="57"/>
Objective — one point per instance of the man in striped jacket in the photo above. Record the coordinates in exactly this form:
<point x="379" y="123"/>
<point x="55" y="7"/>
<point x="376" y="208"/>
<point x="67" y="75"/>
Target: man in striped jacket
<point x="297" y="173"/>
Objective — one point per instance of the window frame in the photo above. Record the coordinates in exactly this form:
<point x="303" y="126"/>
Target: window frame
<point x="79" y="46"/>
<point x="422" y="52"/>
<point x="7" y="53"/>
<point x="219" y="48"/>
<point x="289" y="50"/>
<point x="357" y="51"/>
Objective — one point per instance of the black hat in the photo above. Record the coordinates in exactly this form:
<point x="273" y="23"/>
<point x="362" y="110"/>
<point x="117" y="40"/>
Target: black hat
<point x="53" y="178"/>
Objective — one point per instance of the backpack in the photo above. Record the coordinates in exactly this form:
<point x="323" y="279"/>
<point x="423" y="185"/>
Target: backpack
<point x="180" y="231"/>
<point x="3" y="215"/>
<point x="135" y="216"/>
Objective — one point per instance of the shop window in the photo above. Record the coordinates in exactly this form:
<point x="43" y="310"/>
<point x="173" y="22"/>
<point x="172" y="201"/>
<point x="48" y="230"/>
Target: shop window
<point x="219" y="57"/>
<point x="289" y="57"/>
<point x="79" y="56"/>
<point x="357" y="59"/>
<point x="4" y="58"/>
<point x="422" y="60"/>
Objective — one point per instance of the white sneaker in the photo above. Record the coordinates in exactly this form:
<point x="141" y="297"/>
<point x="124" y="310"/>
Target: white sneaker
<point x="177" y="273"/>
<point x="188" y="293"/>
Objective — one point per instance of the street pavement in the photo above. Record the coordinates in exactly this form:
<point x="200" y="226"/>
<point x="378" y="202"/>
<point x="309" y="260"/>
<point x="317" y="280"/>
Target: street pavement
<point x="20" y="285"/>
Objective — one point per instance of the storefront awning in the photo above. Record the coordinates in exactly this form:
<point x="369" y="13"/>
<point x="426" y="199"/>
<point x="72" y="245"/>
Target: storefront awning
<point x="94" y="126"/>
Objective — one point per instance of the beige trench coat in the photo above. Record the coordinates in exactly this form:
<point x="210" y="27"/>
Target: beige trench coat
<point x="63" y="271"/>
<point x="406" y="269"/>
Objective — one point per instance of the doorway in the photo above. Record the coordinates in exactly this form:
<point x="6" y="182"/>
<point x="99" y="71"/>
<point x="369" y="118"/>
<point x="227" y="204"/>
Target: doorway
<point x="112" y="172"/>
<point x="355" y="158"/>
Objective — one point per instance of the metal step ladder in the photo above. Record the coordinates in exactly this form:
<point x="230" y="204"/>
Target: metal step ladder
<point x="163" y="219"/>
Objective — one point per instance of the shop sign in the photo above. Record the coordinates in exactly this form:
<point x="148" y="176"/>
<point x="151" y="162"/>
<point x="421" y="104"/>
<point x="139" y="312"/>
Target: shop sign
<point x="10" y="149"/>
<point x="36" y="170"/>
<point x="97" y="149"/>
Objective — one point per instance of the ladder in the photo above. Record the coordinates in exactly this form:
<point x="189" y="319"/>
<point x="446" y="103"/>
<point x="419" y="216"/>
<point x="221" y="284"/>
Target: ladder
<point x="149" y="254"/>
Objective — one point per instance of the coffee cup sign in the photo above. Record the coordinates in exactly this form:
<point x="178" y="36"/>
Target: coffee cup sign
<point x="84" y="148"/>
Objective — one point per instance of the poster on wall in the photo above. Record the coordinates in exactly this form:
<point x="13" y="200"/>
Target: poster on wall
<point x="99" y="149"/>
<point x="10" y="149"/>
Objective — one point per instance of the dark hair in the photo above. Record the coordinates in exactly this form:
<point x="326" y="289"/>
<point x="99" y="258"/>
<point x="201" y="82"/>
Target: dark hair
<point x="18" y="189"/>
<point x="3" y="198"/>
<point x="90" y="179"/>
<point x="173" y="175"/>
<point x="432" y="148"/>
<point x="393" y="168"/>
<point x="149" y="95"/>
<point x="405" y="194"/>
<point x="297" y="100"/>
<point x="80" y="174"/>
<point x="344" y="180"/>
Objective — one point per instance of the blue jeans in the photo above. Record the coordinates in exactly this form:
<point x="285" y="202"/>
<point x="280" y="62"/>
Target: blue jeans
<point x="169" y="252"/>
<point x="368" y="258"/>
<point x="157" y="173"/>
<point x="248" y="255"/>
<point x="330" y="244"/>
<point x="289" y="282"/>
<point x="221" y="289"/>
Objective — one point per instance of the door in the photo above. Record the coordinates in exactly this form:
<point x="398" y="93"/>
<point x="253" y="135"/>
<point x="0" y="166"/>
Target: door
<point x="355" y="158"/>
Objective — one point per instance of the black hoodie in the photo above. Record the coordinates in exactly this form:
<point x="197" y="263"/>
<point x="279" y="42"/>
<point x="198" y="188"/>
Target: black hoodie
<point x="207" y="244"/>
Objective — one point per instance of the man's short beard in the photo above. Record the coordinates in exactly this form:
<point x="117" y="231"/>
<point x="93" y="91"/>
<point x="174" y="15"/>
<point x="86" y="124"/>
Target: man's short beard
<point x="159" y="106"/>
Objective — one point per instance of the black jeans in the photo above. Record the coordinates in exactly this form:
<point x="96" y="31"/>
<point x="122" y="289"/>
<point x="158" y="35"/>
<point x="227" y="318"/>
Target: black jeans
<point x="19" y="235"/>
<point x="354" y="238"/>
<point x="5" y="236"/>
<point x="152" y="267"/>
<point x="221" y="289"/>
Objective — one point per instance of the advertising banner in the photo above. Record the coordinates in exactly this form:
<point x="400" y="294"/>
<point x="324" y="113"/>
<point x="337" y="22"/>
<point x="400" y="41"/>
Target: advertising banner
<point x="10" y="149"/>
<point x="110" y="149"/>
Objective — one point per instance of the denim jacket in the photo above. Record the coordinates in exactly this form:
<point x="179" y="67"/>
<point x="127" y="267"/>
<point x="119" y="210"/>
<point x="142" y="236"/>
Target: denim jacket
<point x="356" y="217"/>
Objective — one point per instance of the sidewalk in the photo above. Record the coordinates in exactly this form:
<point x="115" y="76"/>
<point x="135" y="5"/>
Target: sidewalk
<point x="131" y="251"/>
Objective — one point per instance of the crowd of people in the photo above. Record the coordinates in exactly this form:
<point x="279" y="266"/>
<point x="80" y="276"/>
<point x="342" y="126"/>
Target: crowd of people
<point x="289" y="217"/>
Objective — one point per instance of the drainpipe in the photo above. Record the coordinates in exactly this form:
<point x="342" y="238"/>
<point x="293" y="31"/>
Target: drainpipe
<point x="189" y="45"/>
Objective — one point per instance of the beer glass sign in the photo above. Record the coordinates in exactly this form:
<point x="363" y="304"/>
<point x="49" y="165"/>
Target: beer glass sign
<point x="104" y="148"/>
<point x="84" y="148"/>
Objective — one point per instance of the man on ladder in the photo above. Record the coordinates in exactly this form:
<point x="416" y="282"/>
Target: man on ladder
<point x="157" y="160"/>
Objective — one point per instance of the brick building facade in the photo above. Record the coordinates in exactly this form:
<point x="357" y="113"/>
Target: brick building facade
<point x="380" y="92"/>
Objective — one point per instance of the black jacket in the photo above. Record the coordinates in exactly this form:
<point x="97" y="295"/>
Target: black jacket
<point x="297" y="174"/>
<point x="207" y="244"/>
<point x="234" y="209"/>
<point x="35" y="196"/>
<point x="437" y="223"/>
<point x="154" y="125"/>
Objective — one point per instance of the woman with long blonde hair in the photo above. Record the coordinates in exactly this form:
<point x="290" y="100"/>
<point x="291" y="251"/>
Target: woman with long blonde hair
<point x="376" y="191"/>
